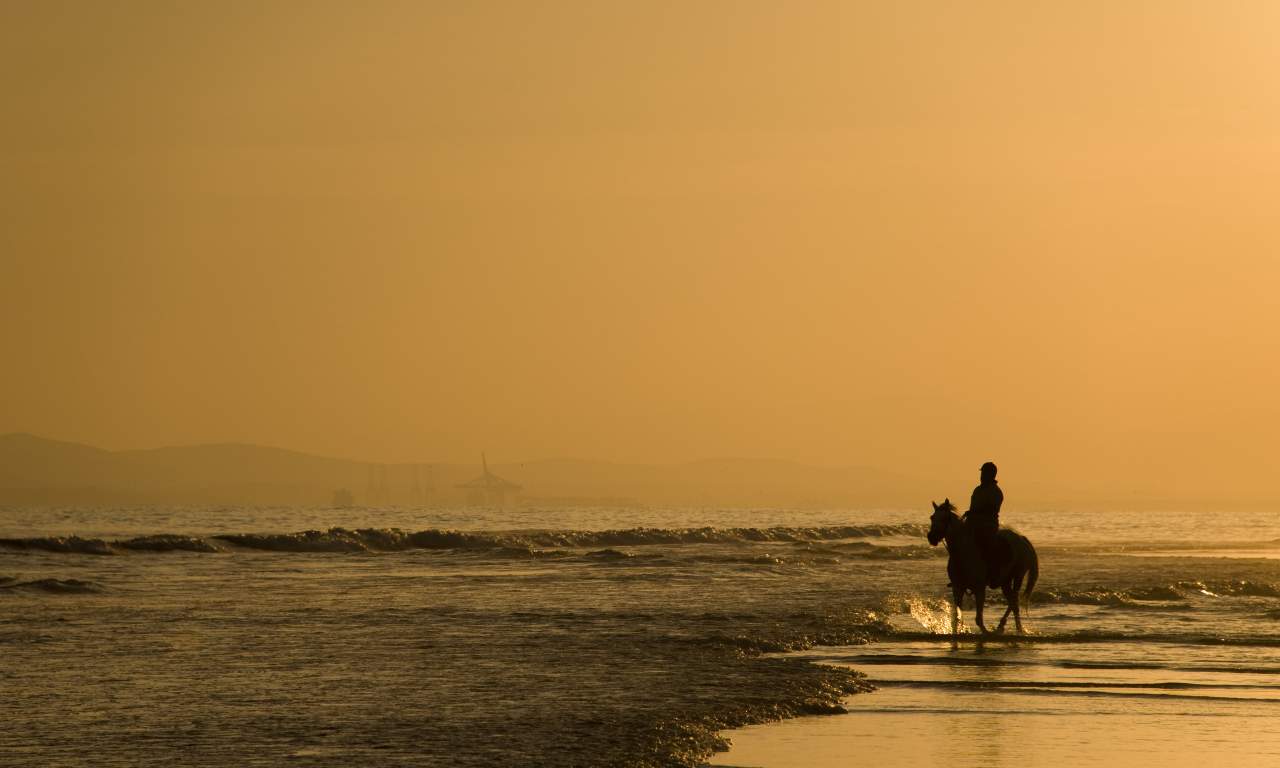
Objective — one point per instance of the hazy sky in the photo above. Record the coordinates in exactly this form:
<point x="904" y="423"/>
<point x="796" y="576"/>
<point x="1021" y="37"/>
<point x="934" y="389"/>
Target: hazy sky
<point x="913" y="235"/>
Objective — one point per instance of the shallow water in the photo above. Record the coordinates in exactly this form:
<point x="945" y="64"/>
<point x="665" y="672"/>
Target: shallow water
<point x="1137" y="703"/>
<point x="567" y="637"/>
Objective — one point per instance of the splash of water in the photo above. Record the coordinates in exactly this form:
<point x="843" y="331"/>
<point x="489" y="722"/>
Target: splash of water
<point x="934" y="618"/>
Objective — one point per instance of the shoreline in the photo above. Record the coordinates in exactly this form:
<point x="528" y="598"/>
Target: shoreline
<point x="946" y="706"/>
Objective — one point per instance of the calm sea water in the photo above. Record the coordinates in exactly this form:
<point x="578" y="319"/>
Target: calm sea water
<point x="632" y="637"/>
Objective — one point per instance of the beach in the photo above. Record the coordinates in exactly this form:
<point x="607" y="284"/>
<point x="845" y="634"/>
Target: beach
<point x="566" y="385"/>
<point x="1060" y="704"/>
<point x="628" y="637"/>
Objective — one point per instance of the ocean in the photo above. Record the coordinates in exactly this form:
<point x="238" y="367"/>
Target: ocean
<point x="625" y="637"/>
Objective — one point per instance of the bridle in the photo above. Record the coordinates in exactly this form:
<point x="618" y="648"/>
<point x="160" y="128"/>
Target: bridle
<point x="946" y="526"/>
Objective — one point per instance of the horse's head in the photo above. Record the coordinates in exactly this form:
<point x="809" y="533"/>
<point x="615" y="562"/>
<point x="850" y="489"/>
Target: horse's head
<point x="943" y="516"/>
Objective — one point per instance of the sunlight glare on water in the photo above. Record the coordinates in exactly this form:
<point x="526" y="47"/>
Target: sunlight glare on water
<point x="932" y="618"/>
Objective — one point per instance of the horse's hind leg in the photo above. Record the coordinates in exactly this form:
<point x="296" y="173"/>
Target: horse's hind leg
<point x="1014" y="602"/>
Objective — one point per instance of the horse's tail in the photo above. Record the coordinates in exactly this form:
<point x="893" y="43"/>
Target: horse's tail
<point x="1033" y="574"/>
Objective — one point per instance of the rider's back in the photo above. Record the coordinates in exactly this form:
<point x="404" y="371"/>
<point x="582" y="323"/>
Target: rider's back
<point x="984" y="520"/>
<point x="984" y="505"/>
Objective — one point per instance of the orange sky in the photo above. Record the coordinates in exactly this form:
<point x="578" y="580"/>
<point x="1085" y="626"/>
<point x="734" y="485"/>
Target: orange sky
<point x="912" y="235"/>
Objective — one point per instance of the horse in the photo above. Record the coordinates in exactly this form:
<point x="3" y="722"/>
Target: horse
<point x="968" y="572"/>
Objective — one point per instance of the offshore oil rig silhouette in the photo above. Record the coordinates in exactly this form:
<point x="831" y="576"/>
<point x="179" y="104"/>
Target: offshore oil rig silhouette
<point x="489" y="489"/>
<point x="378" y="492"/>
<point x="486" y="490"/>
<point x="420" y="496"/>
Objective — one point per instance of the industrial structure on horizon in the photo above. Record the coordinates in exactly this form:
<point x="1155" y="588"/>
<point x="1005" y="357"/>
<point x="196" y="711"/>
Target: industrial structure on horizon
<point x="489" y="489"/>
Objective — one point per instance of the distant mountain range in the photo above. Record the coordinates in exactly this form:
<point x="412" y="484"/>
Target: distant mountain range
<point x="38" y="472"/>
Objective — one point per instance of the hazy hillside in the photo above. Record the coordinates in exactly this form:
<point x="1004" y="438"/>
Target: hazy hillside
<point x="36" y="471"/>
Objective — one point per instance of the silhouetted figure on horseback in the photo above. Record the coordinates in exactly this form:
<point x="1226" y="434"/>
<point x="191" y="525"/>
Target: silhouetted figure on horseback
<point x="981" y="554"/>
<point x="984" y="519"/>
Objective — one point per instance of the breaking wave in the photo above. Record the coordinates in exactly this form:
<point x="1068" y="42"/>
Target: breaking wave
<point x="332" y="540"/>
<point x="63" y="544"/>
<point x="1104" y="596"/>
<point x="609" y="554"/>
<point x="55" y="586"/>
<point x="394" y="539"/>
<point x="167" y="543"/>
<point x="1144" y="597"/>
<point x="157" y="543"/>
<point x="1232" y="588"/>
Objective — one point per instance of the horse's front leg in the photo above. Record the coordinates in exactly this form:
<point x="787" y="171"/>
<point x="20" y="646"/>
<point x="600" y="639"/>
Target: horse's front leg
<point x="957" y="596"/>
<point x="979" y="596"/>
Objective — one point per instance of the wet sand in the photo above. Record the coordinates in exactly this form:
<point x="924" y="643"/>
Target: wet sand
<point x="1035" y="705"/>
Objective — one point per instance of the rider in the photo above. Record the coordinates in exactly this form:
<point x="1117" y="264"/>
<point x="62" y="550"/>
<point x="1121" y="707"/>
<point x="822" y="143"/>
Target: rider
<point x="984" y="519"/>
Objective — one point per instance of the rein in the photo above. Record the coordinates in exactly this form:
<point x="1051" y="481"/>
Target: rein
<point x="947" y="530"/>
